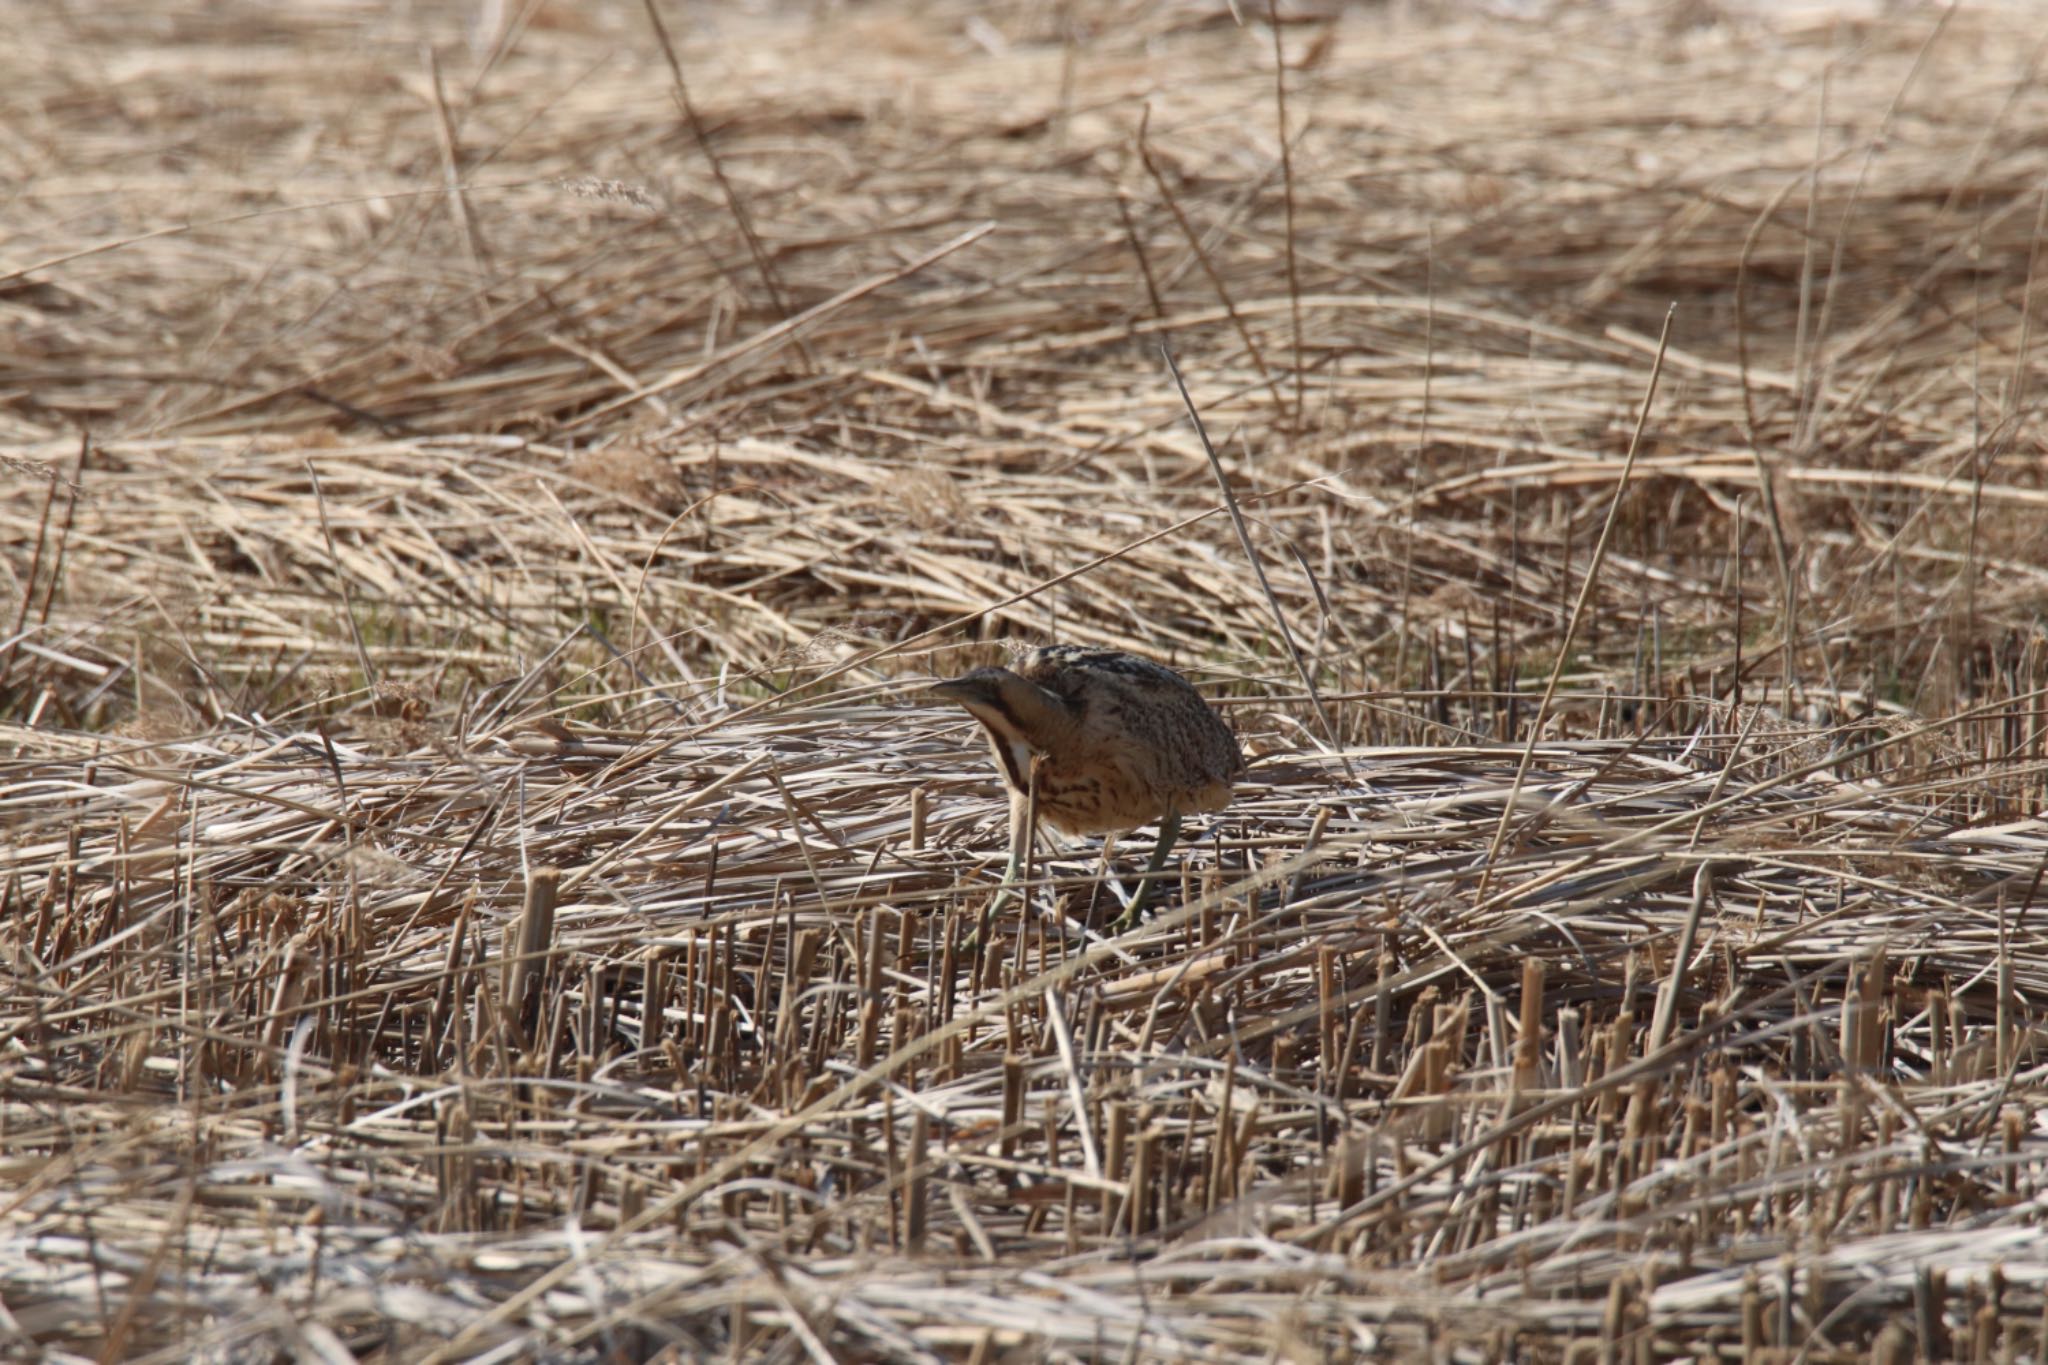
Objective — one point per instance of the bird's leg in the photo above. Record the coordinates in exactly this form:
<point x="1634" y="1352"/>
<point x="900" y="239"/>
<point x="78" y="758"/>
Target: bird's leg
<point x="1169" y="830"/>
<point x="1021" y="820"/>
<point x="1105" y="873"/>
<point x="1023" y="826"/>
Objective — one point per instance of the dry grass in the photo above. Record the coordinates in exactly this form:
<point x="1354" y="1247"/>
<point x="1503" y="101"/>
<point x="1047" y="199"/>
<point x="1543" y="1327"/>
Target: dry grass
<point x="479" y="879"/>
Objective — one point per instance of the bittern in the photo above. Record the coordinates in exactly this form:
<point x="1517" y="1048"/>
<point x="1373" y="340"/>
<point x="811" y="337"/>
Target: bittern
<point x="1101" y="741"/>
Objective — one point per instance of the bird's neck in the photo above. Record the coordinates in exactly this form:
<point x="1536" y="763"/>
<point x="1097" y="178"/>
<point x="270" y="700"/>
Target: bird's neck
<point x="1021" y="721"/>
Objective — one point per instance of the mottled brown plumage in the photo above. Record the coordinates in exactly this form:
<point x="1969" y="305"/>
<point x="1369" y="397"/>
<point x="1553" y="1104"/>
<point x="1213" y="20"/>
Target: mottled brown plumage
<point x="1118" y="741"/>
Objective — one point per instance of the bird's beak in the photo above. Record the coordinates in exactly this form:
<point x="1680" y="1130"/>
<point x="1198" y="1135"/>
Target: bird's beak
<point x="962" y="690"/>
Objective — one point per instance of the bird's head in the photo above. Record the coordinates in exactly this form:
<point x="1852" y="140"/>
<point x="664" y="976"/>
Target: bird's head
<point x="1013" y="708"/>
<point x="984" y="687"/>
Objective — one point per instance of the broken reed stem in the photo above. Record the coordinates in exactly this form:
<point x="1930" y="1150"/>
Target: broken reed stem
<point x="1251" y="554"/>
<point x="532" y="952"/>
<point x="342" y="579"/>
<point x="1201" y="255"/>
<point x="1674" y="981"/>
<point x="1287" y="201"/>
<point x="28" y="583"/>
<point x="1578" y="612"/>
<point x="734" y="205"/>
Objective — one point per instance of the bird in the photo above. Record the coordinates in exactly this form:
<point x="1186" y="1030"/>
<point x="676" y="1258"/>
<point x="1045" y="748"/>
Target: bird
<point x="1100" y="741"/>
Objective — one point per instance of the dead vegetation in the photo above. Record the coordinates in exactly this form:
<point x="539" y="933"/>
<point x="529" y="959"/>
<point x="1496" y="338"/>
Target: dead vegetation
<point x="479" y="881"/>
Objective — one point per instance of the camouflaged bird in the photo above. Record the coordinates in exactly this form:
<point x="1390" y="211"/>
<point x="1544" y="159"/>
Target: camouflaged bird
<point x="1112" y="741"/>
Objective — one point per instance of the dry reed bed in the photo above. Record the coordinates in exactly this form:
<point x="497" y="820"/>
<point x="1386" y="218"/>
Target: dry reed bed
<point x="478" y="876"/>
<point x="1307" y="1034"/>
